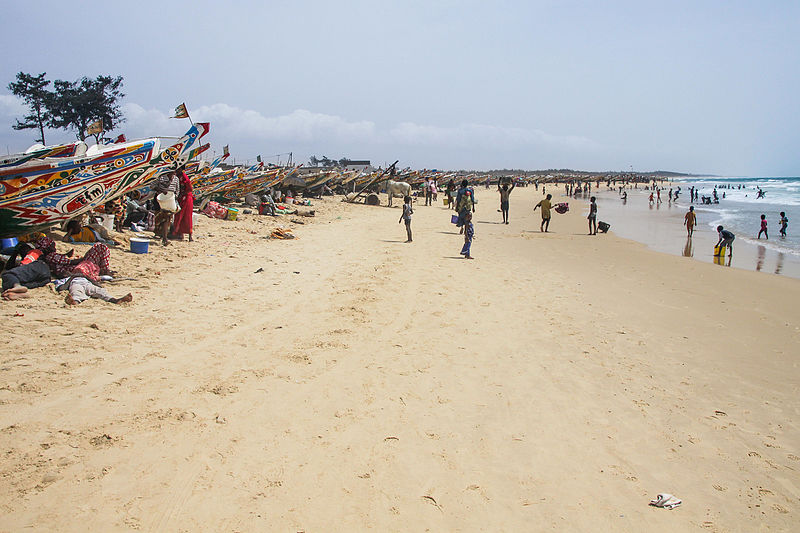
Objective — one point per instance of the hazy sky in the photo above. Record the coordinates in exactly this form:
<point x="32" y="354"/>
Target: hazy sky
<point x="695" y="86"/>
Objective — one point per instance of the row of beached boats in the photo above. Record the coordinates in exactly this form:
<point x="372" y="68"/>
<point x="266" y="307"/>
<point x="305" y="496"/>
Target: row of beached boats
<point x="46" y="185"/>
<point x="49" y="184"/>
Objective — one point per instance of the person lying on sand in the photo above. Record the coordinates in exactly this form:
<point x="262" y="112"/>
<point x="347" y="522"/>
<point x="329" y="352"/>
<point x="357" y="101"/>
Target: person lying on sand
<point x="94" y="262"/>
<point x="81" y="289"/>
<point x="18" y="280"/>
<point x="76" y="232"/>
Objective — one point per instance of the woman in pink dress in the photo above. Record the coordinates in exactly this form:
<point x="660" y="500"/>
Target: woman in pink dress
<point x="183" y="220"/>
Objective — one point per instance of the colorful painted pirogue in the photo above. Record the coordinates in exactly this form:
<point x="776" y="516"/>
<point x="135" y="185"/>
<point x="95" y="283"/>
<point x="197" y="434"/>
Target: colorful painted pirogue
<point x="40" y="192"/>
<point x="40" y="152"/>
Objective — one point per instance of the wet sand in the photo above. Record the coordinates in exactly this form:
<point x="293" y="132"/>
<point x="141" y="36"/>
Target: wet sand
<point x="558" y="381"/>
<point x="661" y="228"/>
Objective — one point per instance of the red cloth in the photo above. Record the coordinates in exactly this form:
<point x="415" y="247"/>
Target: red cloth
<point x="183" y="220"/>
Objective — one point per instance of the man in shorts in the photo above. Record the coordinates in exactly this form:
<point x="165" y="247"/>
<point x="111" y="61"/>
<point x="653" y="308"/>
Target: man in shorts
<point x="725" y="240"/>
<point x="546" y="205"/>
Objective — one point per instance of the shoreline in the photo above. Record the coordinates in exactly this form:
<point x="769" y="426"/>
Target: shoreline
<point x="661" y="229"/>
<point x="560" y="379"/>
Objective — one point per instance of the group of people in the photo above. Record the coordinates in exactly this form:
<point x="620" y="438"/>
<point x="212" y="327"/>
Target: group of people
<point x="783" y="221"/>
<point x="726" y="237"/>
<point x="35" y="261"/>
<point x="463" y="201"/>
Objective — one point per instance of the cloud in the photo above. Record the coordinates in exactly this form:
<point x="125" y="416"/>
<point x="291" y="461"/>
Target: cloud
<point x="485" y="136"/>
<point x="300" y="125"/>
<point x="12" y="106"/>
<point x="307" y="127"/>
<point x="250" y="132"/>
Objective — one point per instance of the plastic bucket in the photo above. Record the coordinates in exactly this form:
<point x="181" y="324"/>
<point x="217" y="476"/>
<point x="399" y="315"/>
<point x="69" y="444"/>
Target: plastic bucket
<point x="107" y="221"/>
<point x="454" y="219"/>
<point x="232" y="213"/>
<point x="8" y="242"/>
<point x="167" y="202"/>
<point x="139" y="246"/>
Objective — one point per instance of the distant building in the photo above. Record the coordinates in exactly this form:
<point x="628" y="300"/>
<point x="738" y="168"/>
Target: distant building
<point x="353" y="164"/>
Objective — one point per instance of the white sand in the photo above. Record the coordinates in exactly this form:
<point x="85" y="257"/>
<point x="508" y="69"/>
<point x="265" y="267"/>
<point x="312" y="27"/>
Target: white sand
<point x="557" y="382"/>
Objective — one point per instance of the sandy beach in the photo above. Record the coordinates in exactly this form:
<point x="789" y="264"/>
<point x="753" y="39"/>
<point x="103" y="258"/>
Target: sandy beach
<point x="558" y="382"/>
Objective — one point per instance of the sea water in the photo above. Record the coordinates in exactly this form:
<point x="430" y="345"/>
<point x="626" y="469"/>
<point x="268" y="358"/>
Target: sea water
<point x="740" y="210"/>
<point x="660" y="225"/>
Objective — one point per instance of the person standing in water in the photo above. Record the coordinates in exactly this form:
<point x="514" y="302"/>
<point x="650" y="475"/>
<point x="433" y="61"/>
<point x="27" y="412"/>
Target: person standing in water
<point x="593" y="216"/>
<point x="784" y="224"/>
<point x="763" y="227"/>
<point x="690" y="220"/>
<point x="406" y="216"/>
<point x="545" y="205"/>
<point x="505" y="193"/>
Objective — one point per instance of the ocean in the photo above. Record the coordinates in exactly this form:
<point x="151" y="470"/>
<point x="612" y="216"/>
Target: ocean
<point x="660" y="226"/>
<point x="740" y="211"/>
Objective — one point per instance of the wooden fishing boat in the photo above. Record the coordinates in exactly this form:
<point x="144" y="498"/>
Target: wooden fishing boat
<point x="40" y="192"/>
<point x="40" y="151"/>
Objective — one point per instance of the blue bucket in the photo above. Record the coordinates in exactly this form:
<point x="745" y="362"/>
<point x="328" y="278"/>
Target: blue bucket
<point x="139" y="246"/>
<point x="8" y="242"/>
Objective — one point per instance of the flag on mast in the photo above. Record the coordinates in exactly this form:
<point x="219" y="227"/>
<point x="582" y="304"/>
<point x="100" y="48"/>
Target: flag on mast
<point x="225" y="151"/>
<point x="95" y="127"/>
<point x="258" y="159"/>
<point x="181" y="112"/>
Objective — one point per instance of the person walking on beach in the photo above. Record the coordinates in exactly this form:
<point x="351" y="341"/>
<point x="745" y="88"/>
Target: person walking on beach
<point x="408" y="210"/>
<point x="593" y="216"/>
<point x="428" y="195"/>
<point x="505" y="193"/>
<point x="725" y="240"/>
<point x="545" y="205"/>
<point x="763" y="227"/>
<point x="690" y="220"/>
<point x="167" y="184"/>
<point x="651" y="198"/>
<point x="465" y="203"/>
<point x="784" y="224"/>
<point x="469" y="234"/>
<point x="450" y="191"/>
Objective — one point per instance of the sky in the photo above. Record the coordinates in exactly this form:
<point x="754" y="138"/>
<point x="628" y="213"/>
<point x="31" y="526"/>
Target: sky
<point x="689" y="86"/>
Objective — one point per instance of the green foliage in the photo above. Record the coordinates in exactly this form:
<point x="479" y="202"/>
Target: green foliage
<point x="76" y="104"/>
<point x="33" y="90"/>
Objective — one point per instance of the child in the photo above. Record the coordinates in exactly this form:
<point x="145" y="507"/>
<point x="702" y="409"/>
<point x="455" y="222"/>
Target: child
<point x="407" y="212"/>
<point x="593" y="216"/>
<point x="763" y="227"/>
<point x="784" y="224"/>
<point x="505" y="192"/>
<point x="725" y="241"/>
<point x="469" y="234"/>
<point x="81" y="289"/>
